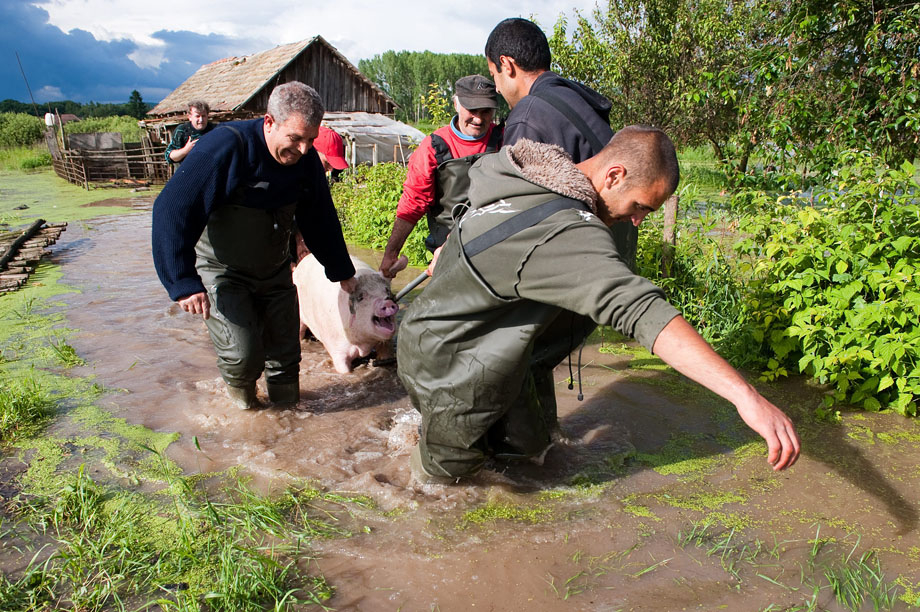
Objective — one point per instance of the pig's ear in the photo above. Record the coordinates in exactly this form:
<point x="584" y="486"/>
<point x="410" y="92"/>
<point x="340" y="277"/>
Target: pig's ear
<point x="400" y="264"/>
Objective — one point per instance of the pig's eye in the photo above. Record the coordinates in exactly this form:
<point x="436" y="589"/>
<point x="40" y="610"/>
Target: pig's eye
<point x="360" y="296"/>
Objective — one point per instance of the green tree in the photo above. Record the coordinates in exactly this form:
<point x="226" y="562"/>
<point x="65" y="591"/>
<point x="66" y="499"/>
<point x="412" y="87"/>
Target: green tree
<point x="843" y="74"/>
<point x="681" y="65"/>
<point x="407" y="75"/>
<point x="136" y="106"/>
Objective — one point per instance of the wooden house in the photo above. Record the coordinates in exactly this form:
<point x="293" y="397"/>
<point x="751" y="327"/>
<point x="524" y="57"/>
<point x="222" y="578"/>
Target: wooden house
<point x="238" y="87"/>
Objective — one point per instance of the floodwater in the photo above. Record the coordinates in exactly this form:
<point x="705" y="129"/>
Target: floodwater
<point x="620" y="546"/>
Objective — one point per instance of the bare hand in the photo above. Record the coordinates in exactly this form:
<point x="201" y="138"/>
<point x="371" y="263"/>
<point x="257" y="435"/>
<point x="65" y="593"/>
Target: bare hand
<point x="783" y="445"/>
<point x="349" y="285"/>
<point x="387" y="263"/>
<point x="197" y="303"/>
<point x="682" y="348"/>
<point x="434" y="261"/>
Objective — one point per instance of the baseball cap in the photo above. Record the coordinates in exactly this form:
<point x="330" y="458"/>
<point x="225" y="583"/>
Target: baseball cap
<point x="330" y="144"/>
<point x="476" y="91"/>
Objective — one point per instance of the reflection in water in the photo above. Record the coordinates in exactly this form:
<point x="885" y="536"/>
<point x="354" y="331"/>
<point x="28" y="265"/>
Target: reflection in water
<point x="352" y="432"/>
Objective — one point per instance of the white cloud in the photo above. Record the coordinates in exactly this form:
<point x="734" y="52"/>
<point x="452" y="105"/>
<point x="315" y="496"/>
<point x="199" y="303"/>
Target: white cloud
<point x="358" y="28"/>
<point x="147" y="56"/>
<point x="49" y="93"/>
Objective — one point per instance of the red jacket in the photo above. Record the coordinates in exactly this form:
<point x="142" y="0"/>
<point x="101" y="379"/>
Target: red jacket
<point x="418" y="190"/>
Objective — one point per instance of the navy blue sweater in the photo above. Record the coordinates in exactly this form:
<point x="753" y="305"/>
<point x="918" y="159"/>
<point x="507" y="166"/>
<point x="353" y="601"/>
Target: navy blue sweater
<point x="220" y="162"/>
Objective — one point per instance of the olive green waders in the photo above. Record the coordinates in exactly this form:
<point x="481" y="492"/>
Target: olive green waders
<point x="506" y="413"/>
<point x="244" y="262"/>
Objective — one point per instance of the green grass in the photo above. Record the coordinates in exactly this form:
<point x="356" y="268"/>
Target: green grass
<point x="24" y="158"/>
<point x="104" y="521"/>
<point x="66" y="354"/>
<point x="25" y="408"/>
<point x="856" y="580"/>
<point x="183" y="552"/>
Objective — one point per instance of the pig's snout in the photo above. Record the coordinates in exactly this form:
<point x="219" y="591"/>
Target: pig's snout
<point x="385" y="308"/>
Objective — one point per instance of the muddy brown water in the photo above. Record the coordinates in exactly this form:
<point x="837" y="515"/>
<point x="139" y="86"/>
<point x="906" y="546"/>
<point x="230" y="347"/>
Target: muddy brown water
<point x="618" y="547"/>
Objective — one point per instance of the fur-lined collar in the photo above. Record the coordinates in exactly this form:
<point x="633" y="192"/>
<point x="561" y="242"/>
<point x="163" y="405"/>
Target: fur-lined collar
<point x="549" y="166"/>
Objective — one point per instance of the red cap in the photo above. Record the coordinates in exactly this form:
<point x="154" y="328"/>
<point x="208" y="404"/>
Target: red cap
<point x="332" y="146"/>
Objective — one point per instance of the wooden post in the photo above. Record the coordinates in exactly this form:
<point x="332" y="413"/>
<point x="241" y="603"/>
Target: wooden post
<point x="669" y="235"/>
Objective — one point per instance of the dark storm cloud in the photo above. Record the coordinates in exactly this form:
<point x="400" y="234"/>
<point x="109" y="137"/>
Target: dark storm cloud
<point x="74" y="65"/>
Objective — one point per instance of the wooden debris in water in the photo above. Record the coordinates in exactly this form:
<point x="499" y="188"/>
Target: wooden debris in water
<point x="20" y="252"/>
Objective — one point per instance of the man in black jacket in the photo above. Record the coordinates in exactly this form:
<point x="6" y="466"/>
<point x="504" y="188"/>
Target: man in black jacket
<point x="544" y="106"/>
<point x="547" y="108"/>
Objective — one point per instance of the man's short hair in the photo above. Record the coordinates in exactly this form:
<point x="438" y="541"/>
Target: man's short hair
<point x="199" y="105"/>
<point x="521" y="39"/>
<point x="295" y="98"/>
<point x="647" y="153"/>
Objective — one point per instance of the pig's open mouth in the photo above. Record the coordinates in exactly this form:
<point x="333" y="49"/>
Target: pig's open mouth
<point x="386" y="325"/>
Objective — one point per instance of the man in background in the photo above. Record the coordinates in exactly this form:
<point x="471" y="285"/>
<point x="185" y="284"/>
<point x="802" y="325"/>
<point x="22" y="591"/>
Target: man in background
<point x="547" y="108"/>
<point x="437" y="180"/>
<point x="188" y="133"/>
<point x="331" y="150"/>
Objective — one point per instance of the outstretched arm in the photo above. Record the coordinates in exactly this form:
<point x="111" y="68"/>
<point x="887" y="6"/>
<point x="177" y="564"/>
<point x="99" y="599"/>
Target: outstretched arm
<point x="682" y="348"/>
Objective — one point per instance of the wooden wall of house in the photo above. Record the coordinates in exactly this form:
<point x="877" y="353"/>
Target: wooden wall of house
<point x="339" y="86"/>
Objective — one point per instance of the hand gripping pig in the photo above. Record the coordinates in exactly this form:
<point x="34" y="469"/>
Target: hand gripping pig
<point x="349" y="326"/>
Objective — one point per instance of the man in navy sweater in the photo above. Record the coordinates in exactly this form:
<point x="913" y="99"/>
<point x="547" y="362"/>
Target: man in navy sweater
<point x="221" y="234"/>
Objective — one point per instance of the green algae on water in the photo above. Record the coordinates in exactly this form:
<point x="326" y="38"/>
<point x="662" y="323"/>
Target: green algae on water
<point x="47" y="196"/>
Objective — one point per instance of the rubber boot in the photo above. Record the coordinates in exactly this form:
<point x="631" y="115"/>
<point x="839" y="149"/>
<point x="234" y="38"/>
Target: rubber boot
<point x="421" y="476"/>
<point x="243" y="398"/>
<point x="288" y="393"/>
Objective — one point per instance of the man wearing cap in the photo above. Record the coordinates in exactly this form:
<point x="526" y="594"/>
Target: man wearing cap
<point x="437" y="177"/>
<point x="331" y="150"/>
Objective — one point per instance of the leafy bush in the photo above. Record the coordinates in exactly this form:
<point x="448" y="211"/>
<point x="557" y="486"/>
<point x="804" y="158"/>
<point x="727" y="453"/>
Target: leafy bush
<point x="705" y="282"/>
<point x="19" y="130"/>
<point x="38" y="160"/>
<point x="834" y="291"/>
<point x="24" y="158"/>
<point x="128" y="127"/>
<point x="366" y="200"/>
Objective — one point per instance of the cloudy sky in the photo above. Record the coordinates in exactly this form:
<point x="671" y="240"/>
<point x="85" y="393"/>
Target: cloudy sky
<point x="101" y="50"/>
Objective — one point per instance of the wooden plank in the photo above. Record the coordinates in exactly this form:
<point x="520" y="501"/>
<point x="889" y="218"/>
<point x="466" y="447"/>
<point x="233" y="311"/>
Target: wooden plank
<point x="14" y="247"/>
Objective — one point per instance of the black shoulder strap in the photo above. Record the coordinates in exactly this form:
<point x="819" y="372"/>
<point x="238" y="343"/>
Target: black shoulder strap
<point x="577" y="120"/>
<point x="441" y="150"/>
<point x="517" y="223"/>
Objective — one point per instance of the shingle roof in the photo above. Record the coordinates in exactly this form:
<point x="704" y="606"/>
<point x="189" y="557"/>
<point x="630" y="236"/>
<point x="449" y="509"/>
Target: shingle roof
<point x="229" y="83"/>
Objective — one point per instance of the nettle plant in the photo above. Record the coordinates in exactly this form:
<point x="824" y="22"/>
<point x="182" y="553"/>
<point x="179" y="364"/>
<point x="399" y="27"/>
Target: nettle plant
<point x="834" y="292"/>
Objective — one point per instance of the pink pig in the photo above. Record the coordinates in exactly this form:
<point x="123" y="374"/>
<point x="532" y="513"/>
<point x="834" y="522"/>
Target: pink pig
<point x="349" y="326"/>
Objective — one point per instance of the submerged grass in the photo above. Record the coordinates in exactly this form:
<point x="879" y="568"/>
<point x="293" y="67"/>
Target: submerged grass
<point x="105" y="547"/>
<point x="855" y="580"/>
<point x="103" y="520"/>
